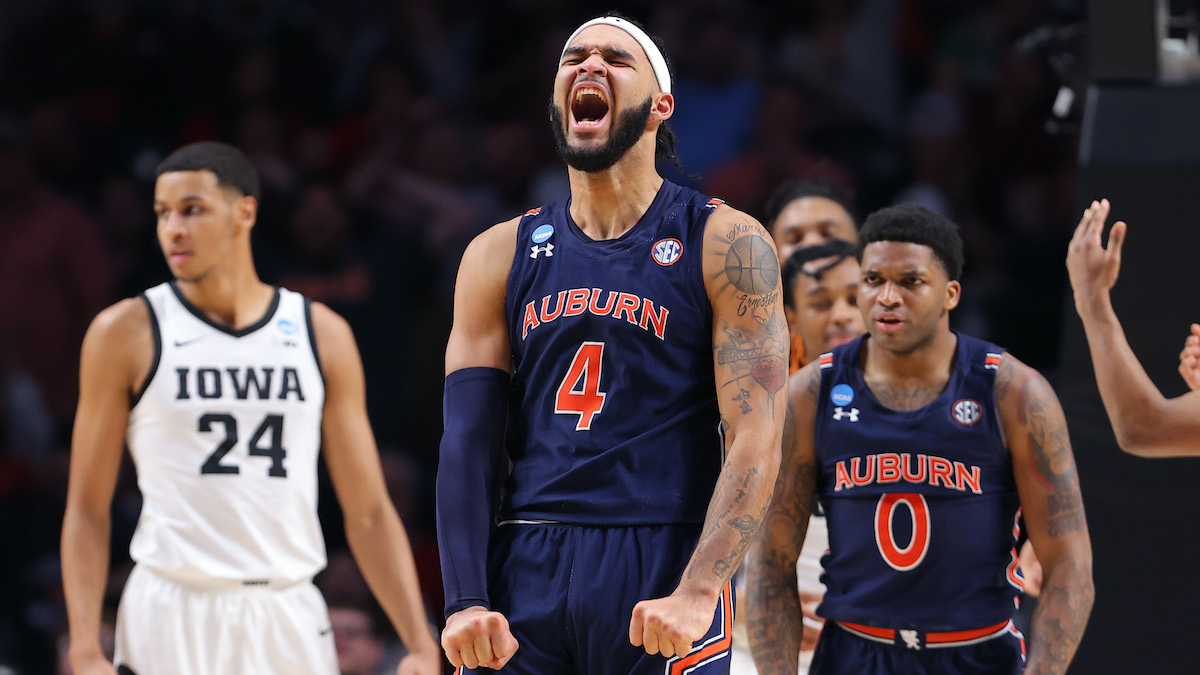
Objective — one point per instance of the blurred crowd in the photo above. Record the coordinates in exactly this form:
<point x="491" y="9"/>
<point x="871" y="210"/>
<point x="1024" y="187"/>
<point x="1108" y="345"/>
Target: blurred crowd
<point x="388" y="134"/>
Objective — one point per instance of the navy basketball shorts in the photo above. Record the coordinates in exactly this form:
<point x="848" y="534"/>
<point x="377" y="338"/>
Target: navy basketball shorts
<point x="568" y="592"/>
<point x="849" y="649"/>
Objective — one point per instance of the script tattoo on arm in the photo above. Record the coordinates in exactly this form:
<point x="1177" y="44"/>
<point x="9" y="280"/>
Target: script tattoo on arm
<point x="755" y="352"/>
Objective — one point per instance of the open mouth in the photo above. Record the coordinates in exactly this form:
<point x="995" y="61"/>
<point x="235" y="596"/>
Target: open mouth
<point x="589" y="106"/>
<point x="889" y="323"/>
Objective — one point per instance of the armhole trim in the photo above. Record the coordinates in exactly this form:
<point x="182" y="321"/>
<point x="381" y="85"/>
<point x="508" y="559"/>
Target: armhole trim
<point x="312" y="338"/>
<point x="154" y="329"/>
<point x="697" y="282"/>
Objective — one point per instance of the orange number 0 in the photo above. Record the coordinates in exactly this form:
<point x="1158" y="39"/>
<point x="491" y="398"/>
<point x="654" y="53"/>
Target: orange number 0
<point x="579" y="393"/>
<point x="907" y="557"/>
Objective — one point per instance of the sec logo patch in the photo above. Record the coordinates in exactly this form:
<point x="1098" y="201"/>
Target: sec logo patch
<point x="667" y="252"/>
<point x="966" y="412"/>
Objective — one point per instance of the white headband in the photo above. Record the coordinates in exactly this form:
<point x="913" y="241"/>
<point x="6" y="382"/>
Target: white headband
<point x="656" y="58"/>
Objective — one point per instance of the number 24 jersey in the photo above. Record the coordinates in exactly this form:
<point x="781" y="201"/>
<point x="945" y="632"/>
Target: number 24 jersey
<point x="225" y="438"/>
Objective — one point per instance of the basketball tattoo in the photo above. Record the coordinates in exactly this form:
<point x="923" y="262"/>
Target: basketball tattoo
<point x="751" y="266"/>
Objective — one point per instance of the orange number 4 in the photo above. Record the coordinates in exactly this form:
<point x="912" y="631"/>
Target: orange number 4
<point x="579" y="393"/>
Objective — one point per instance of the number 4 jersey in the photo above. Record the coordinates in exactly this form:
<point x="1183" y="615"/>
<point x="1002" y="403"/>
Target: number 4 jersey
<point x="614" y="416"/>
<point x="921" y="505"/>
<point x="225" y="436"/>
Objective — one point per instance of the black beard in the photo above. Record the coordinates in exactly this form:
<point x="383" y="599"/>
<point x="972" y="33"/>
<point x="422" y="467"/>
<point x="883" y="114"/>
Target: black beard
<point x="625" y="135"/>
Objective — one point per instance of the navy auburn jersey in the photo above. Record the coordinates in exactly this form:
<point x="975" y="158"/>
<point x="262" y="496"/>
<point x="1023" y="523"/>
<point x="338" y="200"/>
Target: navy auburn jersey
<point x="614" y="417"/>
<point x="921" y="505"/>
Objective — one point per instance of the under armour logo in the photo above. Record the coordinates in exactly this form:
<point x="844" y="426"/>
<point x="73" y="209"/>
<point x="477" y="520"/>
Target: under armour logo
<point x="839" y="413"/>
<point x="910" y="639"/>
<point x="548" y="249"/>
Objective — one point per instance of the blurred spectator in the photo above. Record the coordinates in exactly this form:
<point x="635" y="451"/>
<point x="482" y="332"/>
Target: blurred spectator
<point x="326" y="264"/>
<point x="54" y="274"/>
<point x="777" y="155"/>
<point x="359" y="648"/>
<point x="715" y="91"/>
<point x="356" y="619"/>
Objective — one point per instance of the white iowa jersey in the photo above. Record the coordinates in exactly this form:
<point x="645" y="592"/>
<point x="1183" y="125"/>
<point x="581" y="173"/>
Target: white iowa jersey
<point x="225" y="437"/>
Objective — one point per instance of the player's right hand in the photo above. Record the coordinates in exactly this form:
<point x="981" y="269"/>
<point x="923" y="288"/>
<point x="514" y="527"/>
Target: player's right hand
<point x="1092" y="268"/>
<point x="477" y="636"/>
<point x="1189" y="359"/>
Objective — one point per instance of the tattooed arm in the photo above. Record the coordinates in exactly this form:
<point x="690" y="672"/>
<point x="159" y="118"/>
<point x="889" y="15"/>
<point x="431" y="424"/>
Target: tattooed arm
<point x="775" y="624"/>
<point x="750" y="344"/>
<point x="1036" y="434"/>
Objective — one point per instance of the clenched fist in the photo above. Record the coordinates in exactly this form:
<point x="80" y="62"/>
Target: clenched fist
<point x="477" y="636"/>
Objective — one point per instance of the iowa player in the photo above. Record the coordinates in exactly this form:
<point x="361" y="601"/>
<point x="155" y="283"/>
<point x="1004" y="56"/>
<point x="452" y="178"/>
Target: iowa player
<point x="224" y="389"/>
<point x="612" y="332"/>
<point x="923" y="445"/>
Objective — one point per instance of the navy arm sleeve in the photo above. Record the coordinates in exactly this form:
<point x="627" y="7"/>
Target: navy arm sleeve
<point x="475" y="410"/>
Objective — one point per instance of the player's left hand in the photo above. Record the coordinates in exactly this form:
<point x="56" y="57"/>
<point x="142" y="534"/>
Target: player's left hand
<point x="421" y="662"/>
<point x="1189" y="359"/>
<point x="670" y="625"/>
<point x="1092" y="267"/>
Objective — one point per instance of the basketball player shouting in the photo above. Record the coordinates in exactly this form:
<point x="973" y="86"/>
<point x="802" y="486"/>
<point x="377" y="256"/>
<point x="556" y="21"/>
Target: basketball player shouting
<point x="224" y="389"/>
<point x="613" y="335"/>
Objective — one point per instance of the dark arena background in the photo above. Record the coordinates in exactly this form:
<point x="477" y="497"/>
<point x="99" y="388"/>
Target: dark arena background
<point x="388" y="134"/>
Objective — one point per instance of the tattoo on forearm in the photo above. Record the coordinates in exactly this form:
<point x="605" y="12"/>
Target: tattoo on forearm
<point x="747" y="525"/>
<point x="774" y="621"/>
<point x="1065" y="514"/>
<point x="729" y="496"/>
<point x="1062" y="613"/>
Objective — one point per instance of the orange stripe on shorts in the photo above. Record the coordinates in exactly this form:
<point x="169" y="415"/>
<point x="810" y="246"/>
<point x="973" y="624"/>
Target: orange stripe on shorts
<point x="715" y="648"/>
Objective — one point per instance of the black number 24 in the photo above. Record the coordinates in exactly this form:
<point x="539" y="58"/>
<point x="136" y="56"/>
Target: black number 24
<point x="272" y="424"/>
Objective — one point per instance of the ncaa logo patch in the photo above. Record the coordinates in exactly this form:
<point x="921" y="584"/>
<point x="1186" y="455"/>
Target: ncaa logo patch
<point x="966" y="411"/>
<point x="543" y="233"/>
<point x="667" y="251"/>
<point x="286" y="326"/>
<point x="842" y="394"/>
